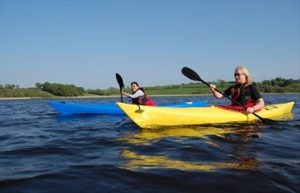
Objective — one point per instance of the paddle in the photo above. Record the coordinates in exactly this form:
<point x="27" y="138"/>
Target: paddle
<point x="191" y="74"/>
<point x="121" y="84"/>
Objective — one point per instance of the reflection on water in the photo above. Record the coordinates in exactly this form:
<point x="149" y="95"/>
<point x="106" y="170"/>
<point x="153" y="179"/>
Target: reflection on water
<point x="146" y="136"/>
<point x="240" y="158"/>
<point x="135" y="161"/>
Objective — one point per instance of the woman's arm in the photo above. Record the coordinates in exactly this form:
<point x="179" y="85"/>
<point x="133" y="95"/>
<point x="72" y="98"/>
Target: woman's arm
<point x="255" y="94"/>
<point x="214" y="92"/>
<point x="260" y="103"/>
<point x="137" y="94"/>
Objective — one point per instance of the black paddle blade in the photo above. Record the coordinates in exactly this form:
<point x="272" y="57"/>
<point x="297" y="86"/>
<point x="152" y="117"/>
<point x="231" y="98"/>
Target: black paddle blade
<point x="269" y="121"/>
<point x="265" y="120"/>
<point x="121" y="84"/>
<point x="191" y="74"/>
<point x="120" y="80"/>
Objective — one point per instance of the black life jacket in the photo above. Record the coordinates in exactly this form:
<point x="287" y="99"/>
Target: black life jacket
<point x="242" y="94"/>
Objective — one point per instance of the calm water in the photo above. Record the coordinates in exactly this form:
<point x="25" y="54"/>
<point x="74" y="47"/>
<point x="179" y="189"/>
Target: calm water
<point x="41" y="152"/>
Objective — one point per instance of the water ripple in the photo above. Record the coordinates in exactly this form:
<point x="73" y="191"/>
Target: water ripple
<point x="43" y="152"/>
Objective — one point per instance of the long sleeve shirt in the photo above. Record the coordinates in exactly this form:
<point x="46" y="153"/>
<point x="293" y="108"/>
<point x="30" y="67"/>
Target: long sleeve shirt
<point x="137" y="94"/>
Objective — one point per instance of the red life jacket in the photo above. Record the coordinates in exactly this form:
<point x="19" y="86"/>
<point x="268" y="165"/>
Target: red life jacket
<point x="142" y="100"/>
<point x="150" y="102"/>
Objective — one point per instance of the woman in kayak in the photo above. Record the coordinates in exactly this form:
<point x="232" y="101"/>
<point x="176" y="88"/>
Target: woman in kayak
<point x="244" y="92"/>
<point x="138" y="95"/>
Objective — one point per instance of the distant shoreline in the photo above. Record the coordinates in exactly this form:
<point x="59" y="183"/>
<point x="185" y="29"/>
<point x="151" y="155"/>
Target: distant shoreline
<point x="77" y="97"/>
<point x="87" y="97"/>
<point x="115" y="96"/>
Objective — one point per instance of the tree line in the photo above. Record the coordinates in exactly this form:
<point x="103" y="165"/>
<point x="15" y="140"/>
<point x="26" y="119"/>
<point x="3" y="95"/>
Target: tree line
<point x="277" y="85"/>
<point x="60" y="89"/>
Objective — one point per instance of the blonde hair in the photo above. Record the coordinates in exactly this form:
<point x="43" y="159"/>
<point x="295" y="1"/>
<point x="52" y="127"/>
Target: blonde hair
<point x="246" y="72"/>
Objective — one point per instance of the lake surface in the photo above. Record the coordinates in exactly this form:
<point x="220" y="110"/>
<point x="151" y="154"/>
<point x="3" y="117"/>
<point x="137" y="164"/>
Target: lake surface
<point x="41" y="151"/>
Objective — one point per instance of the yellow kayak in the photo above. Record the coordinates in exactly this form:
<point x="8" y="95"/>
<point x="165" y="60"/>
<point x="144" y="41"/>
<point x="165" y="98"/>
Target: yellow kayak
<point x="153" y="117"/>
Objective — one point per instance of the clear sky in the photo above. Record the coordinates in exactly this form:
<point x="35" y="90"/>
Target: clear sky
<point x="85" y="42"/>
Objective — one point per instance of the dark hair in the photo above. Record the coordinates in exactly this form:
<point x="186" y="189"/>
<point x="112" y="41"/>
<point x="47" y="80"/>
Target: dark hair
<point x="134" y="83"/>
<point x="141" y="88"/>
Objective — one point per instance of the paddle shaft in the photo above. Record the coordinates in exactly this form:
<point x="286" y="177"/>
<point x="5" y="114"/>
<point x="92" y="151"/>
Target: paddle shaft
<point x="121" y="94"/>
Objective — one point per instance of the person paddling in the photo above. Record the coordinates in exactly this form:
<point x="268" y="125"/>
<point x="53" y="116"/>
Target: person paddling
<point x="138" y="95"/>
<point x="244" y="92"/>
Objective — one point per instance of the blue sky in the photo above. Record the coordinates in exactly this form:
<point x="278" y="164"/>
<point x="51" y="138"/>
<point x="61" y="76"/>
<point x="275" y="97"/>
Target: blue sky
<point x="86" y="42"/>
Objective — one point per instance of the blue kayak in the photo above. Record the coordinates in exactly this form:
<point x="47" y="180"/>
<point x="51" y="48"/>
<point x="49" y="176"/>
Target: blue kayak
<point x="65" y="108"/>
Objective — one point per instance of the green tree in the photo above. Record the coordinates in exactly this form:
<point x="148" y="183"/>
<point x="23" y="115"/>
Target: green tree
<point x="38" y="85"/>
<point x="62" y="89"/>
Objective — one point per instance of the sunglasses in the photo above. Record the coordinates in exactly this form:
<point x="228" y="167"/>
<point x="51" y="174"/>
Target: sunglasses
<point x="238" y="74"/>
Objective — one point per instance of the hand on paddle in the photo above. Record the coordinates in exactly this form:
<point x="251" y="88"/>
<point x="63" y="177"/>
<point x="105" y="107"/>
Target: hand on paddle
<point x="215" y="93"/>
<point x="250" y="110"/>
<point x="124" y="93"/>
